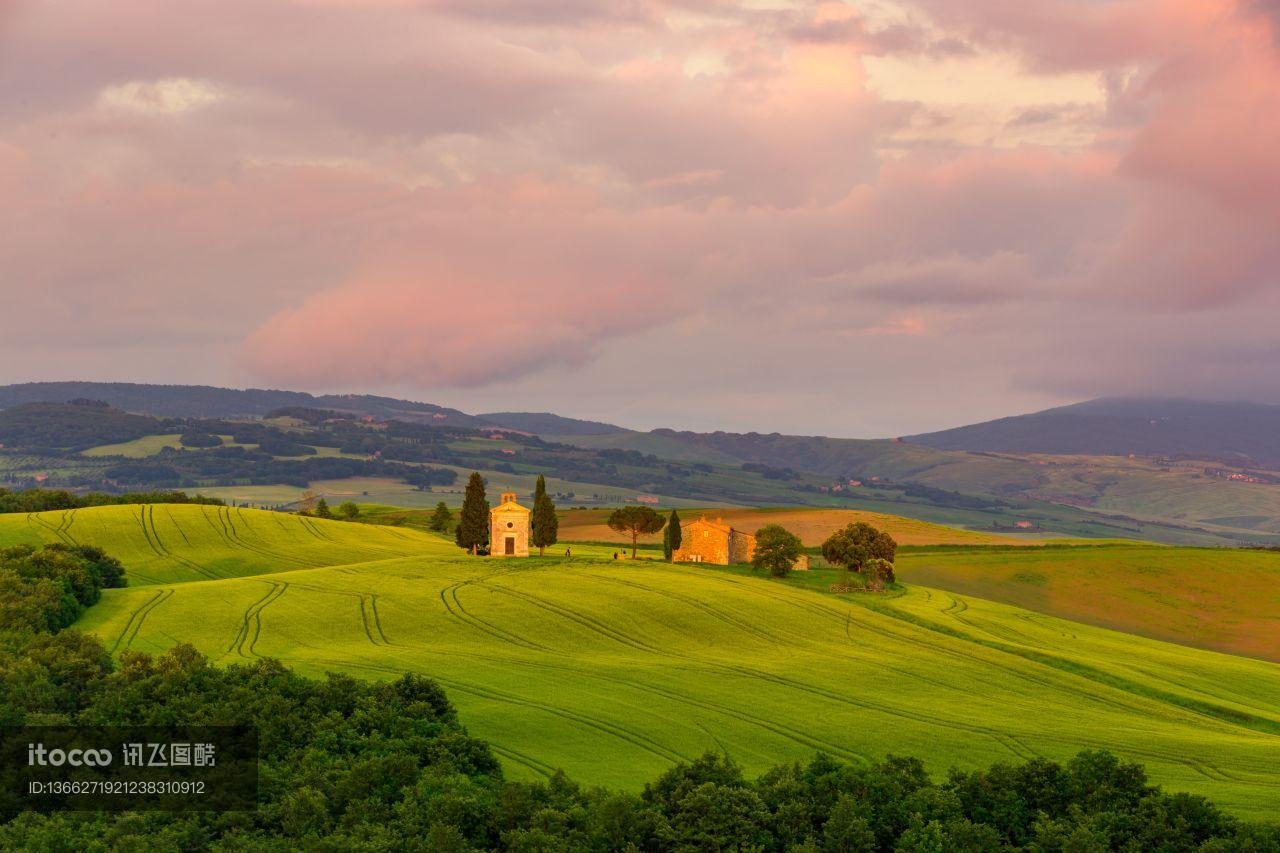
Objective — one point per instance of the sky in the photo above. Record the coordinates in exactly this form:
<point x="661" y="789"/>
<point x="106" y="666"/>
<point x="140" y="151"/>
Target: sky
<point x="856" y="219"/>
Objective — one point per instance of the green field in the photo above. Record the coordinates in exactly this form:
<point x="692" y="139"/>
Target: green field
<point x="139" y="448"/>
<point x="614" y="670"/>
<point x="1214" y="598"/>
<point x="178" y="543"/>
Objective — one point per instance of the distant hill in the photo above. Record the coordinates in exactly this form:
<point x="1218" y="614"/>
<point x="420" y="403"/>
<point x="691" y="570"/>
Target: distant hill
<point x="1120" y="426"/>
<point x="76" y="426"/>
<point x="546" y="423"/>
<point x="203" y="401"/>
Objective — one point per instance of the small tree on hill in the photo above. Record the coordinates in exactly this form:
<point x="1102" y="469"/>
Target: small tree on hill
<point x="635" y="520"/>
<point x="777" y="550"/>
<point x="545" y="524"/>
<point x="672" y="536"/>
<point x="852" y="547"/>
<point x="440" y="519"/>
<point x="877" y="573"/>
<point x="349" y="510"/>
<point x="473" y="521"/>
<point x="322" y="509"/>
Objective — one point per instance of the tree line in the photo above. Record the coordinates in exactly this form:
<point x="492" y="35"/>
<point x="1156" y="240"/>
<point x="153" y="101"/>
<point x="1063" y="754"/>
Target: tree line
<point x="44" y="500"/>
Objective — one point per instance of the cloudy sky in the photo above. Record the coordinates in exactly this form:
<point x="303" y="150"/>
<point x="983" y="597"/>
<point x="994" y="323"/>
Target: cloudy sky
<point x="861" y="219"/>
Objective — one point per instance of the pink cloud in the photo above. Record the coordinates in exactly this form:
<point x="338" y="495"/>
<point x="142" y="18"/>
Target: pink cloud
<point x="355" y="181"/>
<point x="441" y="329"/>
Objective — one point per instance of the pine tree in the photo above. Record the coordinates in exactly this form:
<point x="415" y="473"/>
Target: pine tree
<point x="322" y="509"/>
<point x="545" y="524"/>
<point x="441" y="518"/>
<point x="672" y="536"/>
<point x="634" y="521"/>
<point x="473" y="521"/>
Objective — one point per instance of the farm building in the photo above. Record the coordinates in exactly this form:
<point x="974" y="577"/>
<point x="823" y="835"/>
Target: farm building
<point x="705" y="541"/>
<point x="509" y="528"/>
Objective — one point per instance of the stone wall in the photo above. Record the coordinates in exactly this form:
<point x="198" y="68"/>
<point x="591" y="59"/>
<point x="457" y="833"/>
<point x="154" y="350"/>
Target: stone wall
<point x="702" y="542"/>
<point x="742" y="547"/>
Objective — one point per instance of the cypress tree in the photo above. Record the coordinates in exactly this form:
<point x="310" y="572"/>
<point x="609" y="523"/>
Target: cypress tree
<point x="672" y="536"/>
<point x="473" y="521"/>
<point x="545" y="525"/>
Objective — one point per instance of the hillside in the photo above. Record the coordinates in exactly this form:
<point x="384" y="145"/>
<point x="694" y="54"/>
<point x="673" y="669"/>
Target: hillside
<point x="546" y="423"/>
<point x="1211" y="598"/>
<point x="1120" y="426"/>
<point x="203" y="401"/>
<point x="560" y="662"/>
<point x="175" y="543"/>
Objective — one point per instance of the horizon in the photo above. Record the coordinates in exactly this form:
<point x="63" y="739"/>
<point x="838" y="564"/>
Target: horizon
<point x="480" y="412"/>
<point x="883" y="217"/>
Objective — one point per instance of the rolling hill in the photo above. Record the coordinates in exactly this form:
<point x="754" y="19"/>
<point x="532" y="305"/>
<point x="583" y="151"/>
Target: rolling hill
<point x="546" y="423"/>
<point x="1212" y="598"/>
<point x="614" y="670"/>
<point x="204" y="401"/>
<point x="1123" y="425"/>
<point x="176" y="543"/>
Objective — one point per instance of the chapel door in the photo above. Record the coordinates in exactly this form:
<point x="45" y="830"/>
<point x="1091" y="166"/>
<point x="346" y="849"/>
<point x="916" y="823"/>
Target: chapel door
<point x="511" y="546"/>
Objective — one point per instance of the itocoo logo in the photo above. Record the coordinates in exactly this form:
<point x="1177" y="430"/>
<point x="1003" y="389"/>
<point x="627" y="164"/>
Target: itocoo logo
<point x="38" y="754"/>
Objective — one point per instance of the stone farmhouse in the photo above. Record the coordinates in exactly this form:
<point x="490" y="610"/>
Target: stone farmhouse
<point x="705" y="541"/>
<point x="509" y="528"/>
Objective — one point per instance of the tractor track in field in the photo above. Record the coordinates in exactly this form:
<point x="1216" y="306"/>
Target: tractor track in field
<point x="225" y="530"/>
<point x="590" y="623"/>
<point x="1008" y="742"/>
<point x="702" y="606"/>
<point x="177" y="526"/>
<point x="1001" y="737"/>
<point x="236" y="540"/>
<point x="315" y="529"/>
<point x="635" y="738"/>
<point x="138" y="616"/>
<point x="368" y="606"/>
<point x="377" y="620"/>
<point x="68" y="519"/>
<point x="251" y="623"/>
<point x="537" y="766"/>
<point x="1133" y="692"/>
<point x="459" y="612"/>
<point x="805" y="740"/>
<point x="632" y="736"/>
<point x="58" y="530"/>
<point x="147" y="520"/>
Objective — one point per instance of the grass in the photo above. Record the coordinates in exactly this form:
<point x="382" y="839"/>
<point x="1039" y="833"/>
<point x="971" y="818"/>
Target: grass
<point x="177" y="543"/>
<point x="150" y="445"/>
<point x="615" y="669"/>
<point x="139" y="448"/>
<point x="1212" y="598"/>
